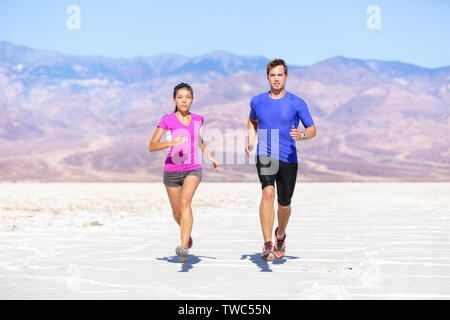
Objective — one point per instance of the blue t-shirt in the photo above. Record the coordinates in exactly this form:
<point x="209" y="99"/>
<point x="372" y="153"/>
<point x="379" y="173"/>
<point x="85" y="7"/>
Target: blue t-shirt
<point x="275" y="120"/>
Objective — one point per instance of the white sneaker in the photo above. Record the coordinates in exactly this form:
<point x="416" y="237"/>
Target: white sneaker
<point x="182" y="252"/>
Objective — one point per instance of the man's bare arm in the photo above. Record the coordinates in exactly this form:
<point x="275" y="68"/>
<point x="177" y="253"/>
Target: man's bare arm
<point x="252" y="128"/>
<point x="310" y="132"/>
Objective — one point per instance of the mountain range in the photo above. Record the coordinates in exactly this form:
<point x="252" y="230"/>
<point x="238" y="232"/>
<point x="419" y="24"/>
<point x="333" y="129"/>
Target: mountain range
<point x="90" y="118"/>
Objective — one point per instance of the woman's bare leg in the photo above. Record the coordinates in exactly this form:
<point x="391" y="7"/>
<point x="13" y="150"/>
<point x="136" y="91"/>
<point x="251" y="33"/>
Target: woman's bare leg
<point x="190" y="184"/>
<point x="174" y="194"/>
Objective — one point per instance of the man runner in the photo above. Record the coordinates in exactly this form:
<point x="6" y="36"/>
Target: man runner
<point x="276" y="114"/>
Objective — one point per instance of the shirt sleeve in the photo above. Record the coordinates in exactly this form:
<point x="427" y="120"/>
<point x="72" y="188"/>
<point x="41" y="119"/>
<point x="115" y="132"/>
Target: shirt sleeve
<point x="252" y="114"/>
<point x="163" y="123"/>
<point x="304" y="115"/>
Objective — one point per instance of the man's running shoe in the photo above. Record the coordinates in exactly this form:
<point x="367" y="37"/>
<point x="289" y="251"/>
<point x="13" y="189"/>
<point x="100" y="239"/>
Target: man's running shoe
<point x="279" y="248"/>
<point x="267" y="253"/>
<point x="182" y="252"/>
<point x="190" y="243"/>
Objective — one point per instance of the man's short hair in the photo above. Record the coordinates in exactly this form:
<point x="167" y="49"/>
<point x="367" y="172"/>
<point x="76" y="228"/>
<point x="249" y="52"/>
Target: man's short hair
<point x="275" y="63"/>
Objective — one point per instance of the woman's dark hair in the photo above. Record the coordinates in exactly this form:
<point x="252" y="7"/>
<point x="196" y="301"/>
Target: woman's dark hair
<point x="179" y="86"/>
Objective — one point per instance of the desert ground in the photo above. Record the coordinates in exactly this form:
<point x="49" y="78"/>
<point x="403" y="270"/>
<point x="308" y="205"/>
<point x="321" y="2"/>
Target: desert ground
<point x="369" y="240"/>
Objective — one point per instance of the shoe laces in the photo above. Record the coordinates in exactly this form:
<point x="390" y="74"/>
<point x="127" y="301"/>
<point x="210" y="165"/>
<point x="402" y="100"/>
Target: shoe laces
<point x="268" y="246"/>
<point x="280" y="242"/>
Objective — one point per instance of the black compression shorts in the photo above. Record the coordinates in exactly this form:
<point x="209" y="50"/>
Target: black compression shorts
<point x="271" y="170"/>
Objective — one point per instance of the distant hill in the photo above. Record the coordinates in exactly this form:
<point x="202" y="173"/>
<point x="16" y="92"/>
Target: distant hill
<point x="84" y="118"/>
<point x="34" y="66"/>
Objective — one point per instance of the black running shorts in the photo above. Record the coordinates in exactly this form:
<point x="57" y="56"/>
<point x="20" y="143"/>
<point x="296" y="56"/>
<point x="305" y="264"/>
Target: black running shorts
<point x="271" y="170"/>
<point x="176" y="178"/>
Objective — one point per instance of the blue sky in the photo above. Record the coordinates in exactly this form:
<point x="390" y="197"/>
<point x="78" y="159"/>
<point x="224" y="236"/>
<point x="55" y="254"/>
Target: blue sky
<point x="301" y="32"/>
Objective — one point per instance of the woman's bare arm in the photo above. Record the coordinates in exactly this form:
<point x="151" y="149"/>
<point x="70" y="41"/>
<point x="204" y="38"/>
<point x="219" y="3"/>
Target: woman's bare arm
<point x="157" y="145"/>
<point x="202" y="146"/>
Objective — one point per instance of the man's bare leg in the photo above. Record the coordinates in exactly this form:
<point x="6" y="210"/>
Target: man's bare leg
<point x="284" y="213"/>
<point x="267" y="212"/>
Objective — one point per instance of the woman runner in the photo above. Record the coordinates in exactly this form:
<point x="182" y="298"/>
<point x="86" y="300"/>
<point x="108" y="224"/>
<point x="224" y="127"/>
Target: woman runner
<point x="182" y="170"/>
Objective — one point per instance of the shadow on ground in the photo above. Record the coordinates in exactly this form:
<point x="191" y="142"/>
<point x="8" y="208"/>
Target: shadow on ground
<point x="265" y="265"/>
<point x="185" y="267"/>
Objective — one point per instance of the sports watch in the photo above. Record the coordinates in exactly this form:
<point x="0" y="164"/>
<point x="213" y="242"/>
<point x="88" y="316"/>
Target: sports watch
<point x="303" y="135"/>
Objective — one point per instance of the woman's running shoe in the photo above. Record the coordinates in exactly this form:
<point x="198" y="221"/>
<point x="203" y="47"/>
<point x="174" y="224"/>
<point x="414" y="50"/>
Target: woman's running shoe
<point x="182" y="252"/>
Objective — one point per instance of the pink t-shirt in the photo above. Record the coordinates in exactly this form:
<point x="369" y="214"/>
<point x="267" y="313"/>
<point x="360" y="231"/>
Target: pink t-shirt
<point x="182" y="157"/>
